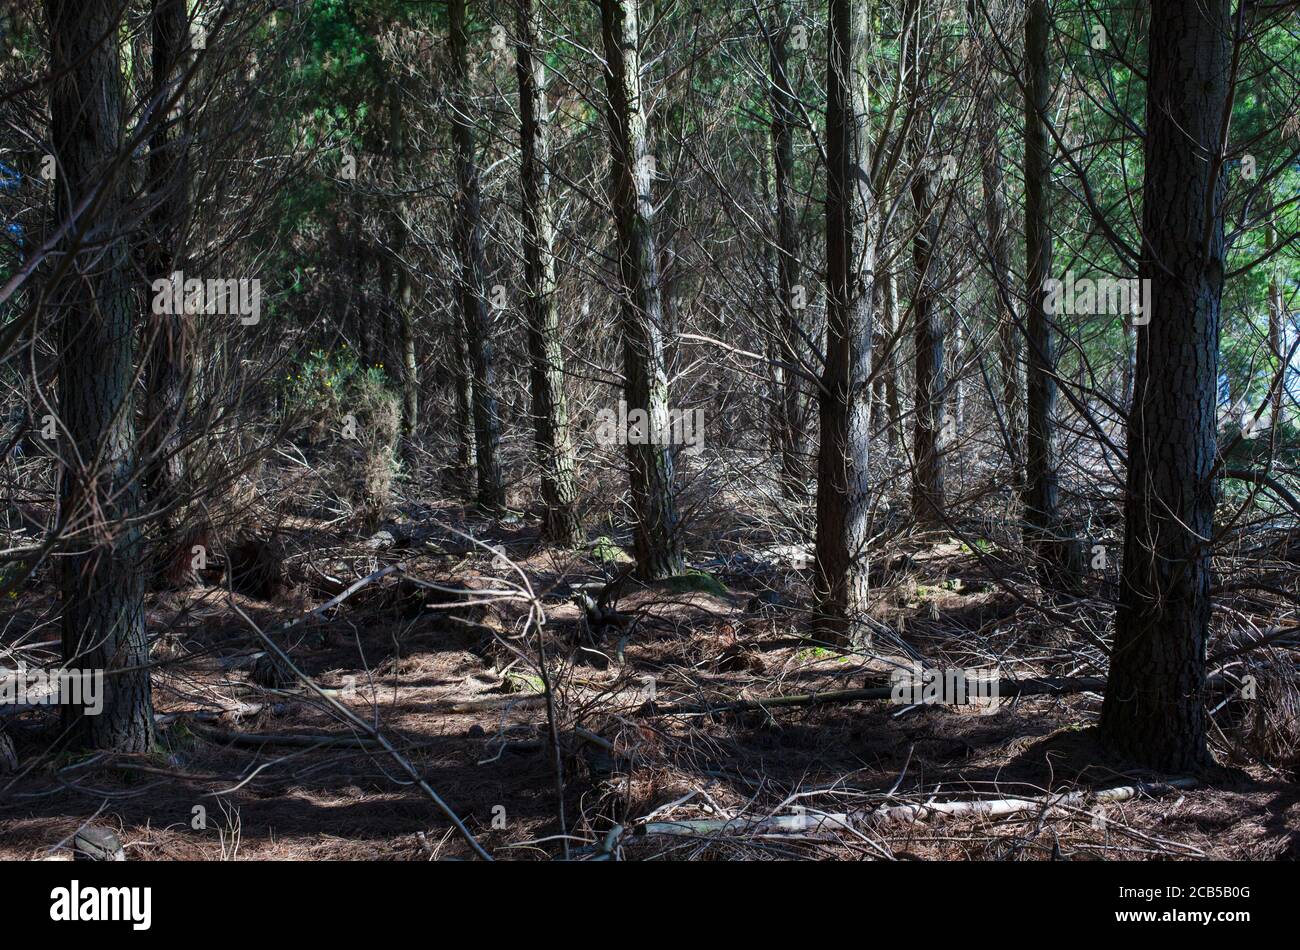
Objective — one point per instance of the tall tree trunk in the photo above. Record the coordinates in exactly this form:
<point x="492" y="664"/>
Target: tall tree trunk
<point x="168" y="371"/>
<point x="404" y="291"/>
<point x="361" y="311"/>
<point x="927" y="424"/>
<point x="792" y="438"/>
<point x="843" y="480"/>
<point x="384" y="312"/>
<point x="999" y="248"/>
<point x="469" y="240"/>
<point x="1153" y="710"/>
<point x="1041" y="527"/>
<point x="462" y="378"/>
<point x="656" y="537"/>
<point x="546" y="368"/>
<point x="1276" y="340"/>
<point x="102" y="588"/>
<point x="1130" y="363"/>
<point x="889" y="298"/>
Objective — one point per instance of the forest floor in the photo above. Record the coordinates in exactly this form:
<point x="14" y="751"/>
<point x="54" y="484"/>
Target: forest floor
<point x="242" y="770"/>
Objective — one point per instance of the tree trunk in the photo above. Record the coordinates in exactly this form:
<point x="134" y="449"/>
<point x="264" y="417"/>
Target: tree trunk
<point x="462" y="378"/>
<point x="890" y="370"/>
<point x="474" y="310"/>
<point x="403" y="290"/>
<point x="843" y="479"/>
<point x="1041" y="527"/>
<point x="102" y="589"/>
<point x="361" y="312"/>
<point x="998" y="237"/>
<point x="546" y="369"/>
<point x="928" y="421"/>
<point x="1153" y="710"/>
<point x="792" y="438"/>
<point x="1276" y="340"/>
<point x="167" y="375"/>
<point x="656" y="537"/>
<point x="1130" y="364"/>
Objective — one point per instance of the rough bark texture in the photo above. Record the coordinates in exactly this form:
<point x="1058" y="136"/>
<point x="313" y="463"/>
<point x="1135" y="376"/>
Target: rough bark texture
<point x="1153" y="710"/>
<point x="656" y="537"/>
<point x="167" y="365"/>
<point x="927" y="473"/>
<point x="102" y="589"/>
<point x="546" y="366"/>
<point x="843" y="481"/>
<point x="790" y="420"/>
<point x="475" y="318"/>
<point x="1040" y="497"/>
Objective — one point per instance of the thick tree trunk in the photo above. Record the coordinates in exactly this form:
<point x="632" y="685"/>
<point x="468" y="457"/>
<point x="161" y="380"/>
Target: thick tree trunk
<point x="1041" y="529"/>
<point x="791" y="433"/>
<point x="469" y="240"/>
<point x="843" y="479"/>
<point x="928" y="422"/>
<point x="656" y="537"/>
<point x="168" y="372"/>
<point x="546" y="368"/>
<point x="1153" y="710"/>
<point x="102" y="589"/>
<point x="928" y="331"/>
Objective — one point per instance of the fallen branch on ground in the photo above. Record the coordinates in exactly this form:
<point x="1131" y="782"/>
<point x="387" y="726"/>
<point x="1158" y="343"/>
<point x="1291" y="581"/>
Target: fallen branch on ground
<point x="811" y="823"/>
<point x="1005" y="689"/>
<point x="298" y="740"/>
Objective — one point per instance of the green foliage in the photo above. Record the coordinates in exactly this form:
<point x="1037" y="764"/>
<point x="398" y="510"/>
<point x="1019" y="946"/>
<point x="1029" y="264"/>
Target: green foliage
<point x="605" y="551"/>
<point x="324" y="381"/>
<point x="696" y="582"/>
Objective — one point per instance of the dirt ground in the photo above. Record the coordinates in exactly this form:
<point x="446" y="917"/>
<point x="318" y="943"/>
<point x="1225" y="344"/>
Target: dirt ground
<point x="252" y="764"/>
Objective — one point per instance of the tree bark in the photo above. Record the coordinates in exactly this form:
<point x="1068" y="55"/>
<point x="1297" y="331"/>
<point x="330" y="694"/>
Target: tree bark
<point x="475" y="317"/>
<point x="1276" y="340"/>
<point x="792" y="439"/>
<point x="102" y="581"/>
<point x="168" y="373"/>
<point x="656" y="536"/>
<point x="889" y="370"/>
<point x="404" y="291"/>
<point x="462" y="378"/>
<point x="1041" y="527"/>
<point x="546" y="368"/>
<point x="844" y="404"/>
<point x="1153" y="710"/>
<point x="998" y="237"/>
<point x="360" y="311"/>
<point x="928" y="332"/>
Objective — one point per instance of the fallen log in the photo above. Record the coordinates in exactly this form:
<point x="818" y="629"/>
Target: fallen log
<point x="805" y="823"/>
<point x="996" y="808"/>
<point x="1005" y="689"/>
<point x="296" y="740"/>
